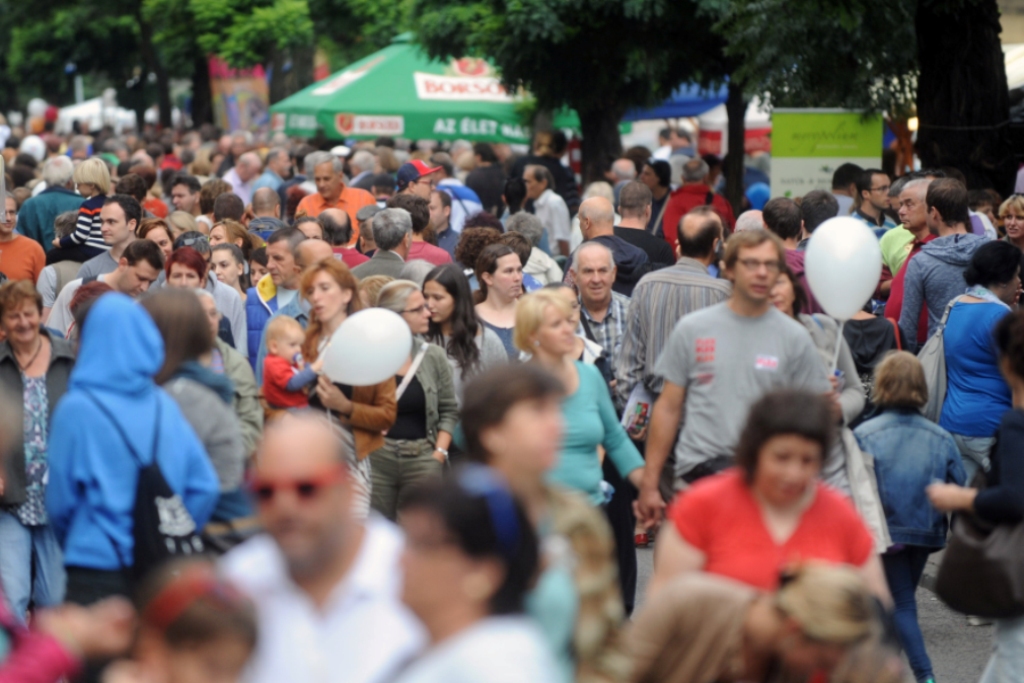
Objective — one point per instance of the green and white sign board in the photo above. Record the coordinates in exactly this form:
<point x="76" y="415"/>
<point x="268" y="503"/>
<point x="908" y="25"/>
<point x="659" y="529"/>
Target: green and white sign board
<point x="809" y="144"/>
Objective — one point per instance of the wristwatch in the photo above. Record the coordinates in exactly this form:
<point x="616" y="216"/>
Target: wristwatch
<point x="442" y="451"/>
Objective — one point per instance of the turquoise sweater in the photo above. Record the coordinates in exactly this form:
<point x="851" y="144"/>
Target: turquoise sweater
<point x="590" y="421"/>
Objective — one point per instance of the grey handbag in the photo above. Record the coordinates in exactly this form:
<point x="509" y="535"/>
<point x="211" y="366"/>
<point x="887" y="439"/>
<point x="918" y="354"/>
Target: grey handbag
<point x="933" y="359"/>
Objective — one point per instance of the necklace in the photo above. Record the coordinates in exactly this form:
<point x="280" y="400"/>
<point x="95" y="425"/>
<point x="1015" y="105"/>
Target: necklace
<point x="30" y="360"/>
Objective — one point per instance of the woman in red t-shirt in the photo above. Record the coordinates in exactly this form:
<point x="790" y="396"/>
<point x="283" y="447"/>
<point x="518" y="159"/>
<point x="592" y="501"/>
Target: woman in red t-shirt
<point x="771" y="511"/>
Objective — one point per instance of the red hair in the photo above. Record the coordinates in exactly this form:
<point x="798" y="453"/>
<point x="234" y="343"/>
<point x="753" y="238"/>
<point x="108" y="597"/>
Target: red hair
<point x="340" y="273"/>
<point x="188" y="257"/>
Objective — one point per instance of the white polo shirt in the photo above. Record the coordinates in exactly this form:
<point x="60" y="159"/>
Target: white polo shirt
<point x="364" y="634"/>
<point x="551" y="210"/>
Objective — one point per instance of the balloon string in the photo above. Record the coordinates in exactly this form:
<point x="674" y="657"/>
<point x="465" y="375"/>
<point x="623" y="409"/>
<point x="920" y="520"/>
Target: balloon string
<point x="839" y="341"/>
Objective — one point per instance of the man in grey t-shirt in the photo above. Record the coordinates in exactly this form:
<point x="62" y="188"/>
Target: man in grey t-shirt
<point x="120" y="216"/>
<point x="721" y="360"/>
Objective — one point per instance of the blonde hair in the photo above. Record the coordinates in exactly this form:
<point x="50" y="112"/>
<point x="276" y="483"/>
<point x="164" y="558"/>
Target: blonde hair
<point x="371" y="286"/>
<point x="394" y="296"/>
<point x="233" y="230"/>
<point x="93" y="171"/>
<point x="831" y="603"/>
<point x="530" y="314"/>
<point x="281" y="325"/>
<point x="201" y="165"/>
<point x="181" y="222"/>
<point x="900" y="382"/>
<point x="1015" y="202"/>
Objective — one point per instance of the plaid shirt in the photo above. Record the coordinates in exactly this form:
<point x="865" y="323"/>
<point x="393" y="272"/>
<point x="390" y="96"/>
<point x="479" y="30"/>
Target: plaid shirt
<point x="610" y="331"/>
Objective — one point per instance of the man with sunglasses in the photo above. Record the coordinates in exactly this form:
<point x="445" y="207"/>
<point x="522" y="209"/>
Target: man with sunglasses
<point x="325" y="584"/>
<point x="718" y="362"/>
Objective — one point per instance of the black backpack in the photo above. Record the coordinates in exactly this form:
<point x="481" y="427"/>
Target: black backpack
<point x="162" y="527"/>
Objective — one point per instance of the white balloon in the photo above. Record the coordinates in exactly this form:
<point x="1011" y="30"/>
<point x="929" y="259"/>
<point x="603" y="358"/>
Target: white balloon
<point x="843" y="264"/>
<point x="367" y="348"/>
<point x="37" y="106"/>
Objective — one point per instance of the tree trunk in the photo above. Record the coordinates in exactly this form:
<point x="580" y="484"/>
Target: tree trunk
<point x="278" y="89"/>
<point x="736" y="108"/>
<point x="202" y="98"/>
<point x="154" y="65"/>
<point x="601" y="143"/>
<point x="963" y="104"/>
<point x="302" y="68"/>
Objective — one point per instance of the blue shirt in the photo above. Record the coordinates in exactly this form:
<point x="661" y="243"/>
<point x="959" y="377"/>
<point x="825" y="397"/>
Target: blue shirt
<point x="268" y="179"/>
<point x="976" y="393"/>
<point x="447" y="240"/>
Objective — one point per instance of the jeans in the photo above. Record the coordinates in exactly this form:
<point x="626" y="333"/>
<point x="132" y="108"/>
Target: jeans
<point x="903" y="570"/>
<point x="1007" y="662"/>
<point x="27" y="552"/>
<point x="395" y="467"/>
<point x="975" y="452"/>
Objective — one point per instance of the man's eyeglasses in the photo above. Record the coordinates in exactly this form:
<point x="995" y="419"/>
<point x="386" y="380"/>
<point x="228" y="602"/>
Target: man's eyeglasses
<point x="755" y="265"/>
<point x="419" y="309"/>
<point x="305" y="489"/>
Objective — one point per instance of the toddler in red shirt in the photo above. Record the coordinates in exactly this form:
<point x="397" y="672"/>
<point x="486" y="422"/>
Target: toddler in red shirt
<point x="285" y="375"/>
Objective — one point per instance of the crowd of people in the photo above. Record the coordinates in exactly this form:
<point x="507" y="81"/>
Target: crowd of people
<point x="590" y="373"/>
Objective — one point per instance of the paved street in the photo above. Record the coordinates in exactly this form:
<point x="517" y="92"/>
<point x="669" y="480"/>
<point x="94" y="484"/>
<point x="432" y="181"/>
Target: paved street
<point x="958" y="651"/>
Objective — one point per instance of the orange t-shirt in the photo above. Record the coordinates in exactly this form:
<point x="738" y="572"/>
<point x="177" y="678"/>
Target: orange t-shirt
<point x="350" y="201"/>
<point x="22" y="258"/>
<point x="720" y="517"/>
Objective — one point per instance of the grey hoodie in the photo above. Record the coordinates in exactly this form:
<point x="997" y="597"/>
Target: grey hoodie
<point x="935" y="277"/>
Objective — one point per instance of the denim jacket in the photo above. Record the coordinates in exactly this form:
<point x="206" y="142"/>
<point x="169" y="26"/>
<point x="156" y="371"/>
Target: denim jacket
<point x="911" y="452"/>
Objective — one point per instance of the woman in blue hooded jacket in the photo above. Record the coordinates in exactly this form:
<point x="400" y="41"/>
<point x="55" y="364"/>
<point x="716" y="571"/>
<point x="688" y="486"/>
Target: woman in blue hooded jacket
<point x="113" y="416"/>
<point x="910" y="453"/>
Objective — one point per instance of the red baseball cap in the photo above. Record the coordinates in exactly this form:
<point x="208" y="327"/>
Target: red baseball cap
<point x="414" y="170"/>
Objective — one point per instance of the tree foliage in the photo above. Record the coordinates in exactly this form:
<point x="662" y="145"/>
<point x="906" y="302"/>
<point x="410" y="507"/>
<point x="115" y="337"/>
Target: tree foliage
<point x="351" y="29"/>
<point x="245" y="32"/>
<point x="45" y="37"/>
<point x="102" y="37"/>
<point x="859" y="54"/>
<point x="600" y="57"/>
<point x="583" y="53"/>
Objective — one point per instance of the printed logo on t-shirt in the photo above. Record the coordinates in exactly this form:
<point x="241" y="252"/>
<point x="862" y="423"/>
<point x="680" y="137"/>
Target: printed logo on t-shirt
<point x="770" y="363"/>
<point x="705" y="350"/>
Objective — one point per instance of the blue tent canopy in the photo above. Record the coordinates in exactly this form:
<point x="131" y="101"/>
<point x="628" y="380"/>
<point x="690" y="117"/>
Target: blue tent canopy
<point x="687" y="100"/>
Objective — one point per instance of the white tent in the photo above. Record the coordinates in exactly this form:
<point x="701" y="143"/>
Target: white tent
<point x="97" y="112"/>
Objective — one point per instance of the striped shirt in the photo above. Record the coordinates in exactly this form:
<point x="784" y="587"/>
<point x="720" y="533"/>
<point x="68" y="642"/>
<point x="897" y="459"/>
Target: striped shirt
<point x="87" y="231"/>
<point x="659" y="301"/>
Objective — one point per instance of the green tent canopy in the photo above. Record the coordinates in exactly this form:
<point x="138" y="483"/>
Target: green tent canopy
<point x="401" y="92"/>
